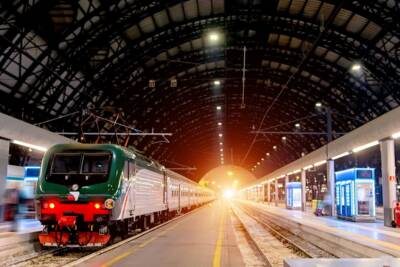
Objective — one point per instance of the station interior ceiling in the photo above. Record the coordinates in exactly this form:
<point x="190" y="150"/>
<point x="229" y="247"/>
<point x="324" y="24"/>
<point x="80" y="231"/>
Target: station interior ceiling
<point x="166" y="66"/>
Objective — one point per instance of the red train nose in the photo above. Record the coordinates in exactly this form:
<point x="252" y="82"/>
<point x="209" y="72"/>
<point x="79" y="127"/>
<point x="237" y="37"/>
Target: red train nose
<point x="67" y="221"/>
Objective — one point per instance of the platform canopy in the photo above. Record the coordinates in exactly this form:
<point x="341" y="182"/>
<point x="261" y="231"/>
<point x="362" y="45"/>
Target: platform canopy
<point x="167" y="65"/>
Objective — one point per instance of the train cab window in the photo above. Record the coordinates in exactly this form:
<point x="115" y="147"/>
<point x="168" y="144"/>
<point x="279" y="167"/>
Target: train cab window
<point x="82" y="168"/>
<point x="68" y="163"/>
<point x="96" y="163"/>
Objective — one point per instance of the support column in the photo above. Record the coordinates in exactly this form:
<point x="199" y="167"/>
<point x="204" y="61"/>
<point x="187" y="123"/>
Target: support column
<point x="268" y="192"/>
<point x="276" y="192"/>
<point x="4" y="150"/>
<point x="388" y="180"/>
<point x="303" y="190"/>
<point x="330" y="182"/>
<point x="262" y="193"/>
<point x="286" y="192"/>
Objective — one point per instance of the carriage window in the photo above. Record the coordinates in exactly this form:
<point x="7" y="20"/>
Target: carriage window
<point x="66" y="163"/>
<point x="96" y="163"/>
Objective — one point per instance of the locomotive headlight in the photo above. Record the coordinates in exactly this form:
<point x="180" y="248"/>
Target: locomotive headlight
<point x="75" y="187"/>
<point x="109" y="203"/>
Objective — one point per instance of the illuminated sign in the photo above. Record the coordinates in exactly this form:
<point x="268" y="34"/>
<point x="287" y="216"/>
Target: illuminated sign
<point x="364" y="174"/>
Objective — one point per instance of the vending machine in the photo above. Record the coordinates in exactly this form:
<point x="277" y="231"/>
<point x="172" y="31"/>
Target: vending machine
<point x="293" y="192"/>
<point x="355" y="194"/>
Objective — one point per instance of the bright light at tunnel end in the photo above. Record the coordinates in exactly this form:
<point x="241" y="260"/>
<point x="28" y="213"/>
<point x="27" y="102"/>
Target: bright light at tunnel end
<point x="228" y="194"/>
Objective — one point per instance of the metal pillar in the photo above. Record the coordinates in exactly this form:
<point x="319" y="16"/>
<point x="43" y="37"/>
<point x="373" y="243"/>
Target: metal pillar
<point x="262" y="193"/>
<point x="330" y="182"/>
<point x="286" y="191"/>
<point x="303" y="190"/>
<point x="276" y="192"/>
<point x="388" y="180"/>
<point x="268" y="192"/>
<point x="4" y="150"/>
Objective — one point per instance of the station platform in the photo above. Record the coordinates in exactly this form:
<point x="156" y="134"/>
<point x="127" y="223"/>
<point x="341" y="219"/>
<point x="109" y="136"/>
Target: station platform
<point x="369" y="235"/>
<point x="203" y="238"/>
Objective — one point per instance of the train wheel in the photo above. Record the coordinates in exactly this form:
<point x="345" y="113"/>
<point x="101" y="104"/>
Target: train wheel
<point x="113" y="232"/>
<point x="124" y="229"/>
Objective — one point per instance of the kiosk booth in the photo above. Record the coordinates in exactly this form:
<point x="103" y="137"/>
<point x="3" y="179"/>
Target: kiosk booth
<point x="293" y="193"/>
<point x="355" y="194"/>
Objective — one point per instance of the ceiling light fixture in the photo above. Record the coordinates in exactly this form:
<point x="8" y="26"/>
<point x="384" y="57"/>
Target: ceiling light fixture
<point x="40" y="148"/>
<point x="356" y="67"/>
<point x="213" y="37"/>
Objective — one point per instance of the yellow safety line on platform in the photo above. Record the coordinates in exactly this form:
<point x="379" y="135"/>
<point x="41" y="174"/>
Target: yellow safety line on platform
<point x="142" y="245"/>
<point x="218" y="245"/>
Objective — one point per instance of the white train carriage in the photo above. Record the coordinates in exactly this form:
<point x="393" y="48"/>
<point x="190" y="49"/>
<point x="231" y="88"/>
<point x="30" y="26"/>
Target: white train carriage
<point x="150" y="192"/>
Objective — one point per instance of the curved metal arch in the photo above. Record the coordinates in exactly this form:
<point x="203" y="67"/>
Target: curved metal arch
<point x="320" y="66"/>
<point x="289" y="19"/>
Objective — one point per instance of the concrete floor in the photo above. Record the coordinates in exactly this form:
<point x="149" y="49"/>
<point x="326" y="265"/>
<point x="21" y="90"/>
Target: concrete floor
<point x="203" y="238"/>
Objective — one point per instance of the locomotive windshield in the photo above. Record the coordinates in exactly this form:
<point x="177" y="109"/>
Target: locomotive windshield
<point x="66" y="164"/>
<point x="95" y="163"/>
<point x="80" y="168"/>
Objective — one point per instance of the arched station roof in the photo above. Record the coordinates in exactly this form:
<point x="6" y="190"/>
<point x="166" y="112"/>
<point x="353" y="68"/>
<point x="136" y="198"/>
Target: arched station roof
<point x="61" y="56"/>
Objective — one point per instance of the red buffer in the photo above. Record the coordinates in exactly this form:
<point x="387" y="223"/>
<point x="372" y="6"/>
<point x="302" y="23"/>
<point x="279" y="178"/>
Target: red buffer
<point x="93" y="239"/>
<point x="54" y="238"/>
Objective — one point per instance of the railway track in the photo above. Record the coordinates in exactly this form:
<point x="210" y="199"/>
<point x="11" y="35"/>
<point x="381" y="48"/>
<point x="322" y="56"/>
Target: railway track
<point x="51" y="257"/>
<point x="66" y="256"/>
<point x="291" y="245"/>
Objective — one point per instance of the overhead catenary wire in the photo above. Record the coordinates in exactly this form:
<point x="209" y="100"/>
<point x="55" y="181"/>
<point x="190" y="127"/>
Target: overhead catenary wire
<point x="57" y="118"/>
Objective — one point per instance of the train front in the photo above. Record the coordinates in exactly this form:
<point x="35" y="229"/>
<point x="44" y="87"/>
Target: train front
<point x="76" y="193"/>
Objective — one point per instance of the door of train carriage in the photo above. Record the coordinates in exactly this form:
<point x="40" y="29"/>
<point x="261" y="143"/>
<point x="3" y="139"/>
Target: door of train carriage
<point x="125" y="205"/>
<point x="132" y="181"/>
<point x="179" y="198"/>
<point x="165" y="189"/>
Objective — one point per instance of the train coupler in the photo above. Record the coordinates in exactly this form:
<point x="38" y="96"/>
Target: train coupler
<point x="67" y="221"/>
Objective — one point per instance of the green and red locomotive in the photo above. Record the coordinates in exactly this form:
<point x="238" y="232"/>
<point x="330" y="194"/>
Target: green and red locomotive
<point x="86" y="194"/>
